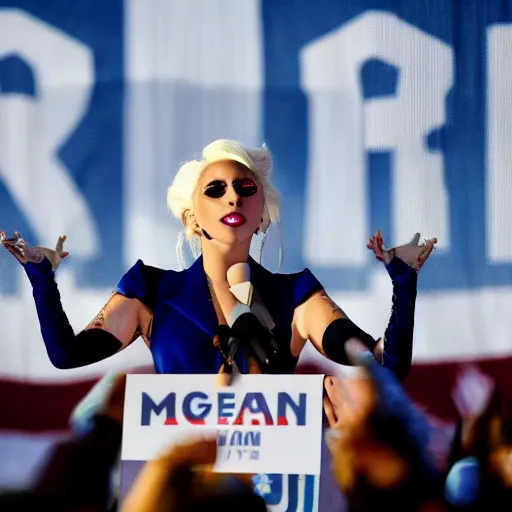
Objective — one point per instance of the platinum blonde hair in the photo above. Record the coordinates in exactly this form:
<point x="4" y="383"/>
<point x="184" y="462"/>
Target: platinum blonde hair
<point x="180" y="194"/>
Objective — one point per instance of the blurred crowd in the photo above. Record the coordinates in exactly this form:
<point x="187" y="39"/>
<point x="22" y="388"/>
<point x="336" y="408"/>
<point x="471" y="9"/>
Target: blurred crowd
<point x="383" y="449"/>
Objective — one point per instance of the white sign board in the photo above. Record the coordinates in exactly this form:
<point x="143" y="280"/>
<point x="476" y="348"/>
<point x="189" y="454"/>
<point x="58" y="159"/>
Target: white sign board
<point x="264" y="423"/>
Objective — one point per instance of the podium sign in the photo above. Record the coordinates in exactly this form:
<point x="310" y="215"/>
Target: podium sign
<point x="264" y="423"/>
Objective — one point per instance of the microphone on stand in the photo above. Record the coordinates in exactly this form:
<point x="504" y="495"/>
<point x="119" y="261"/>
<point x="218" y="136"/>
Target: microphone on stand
<point x="239" y="280"/>
<point x="250" y="321"/>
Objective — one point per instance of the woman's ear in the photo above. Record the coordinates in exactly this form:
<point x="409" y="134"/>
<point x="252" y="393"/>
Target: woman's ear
<point x="190" y="222"/>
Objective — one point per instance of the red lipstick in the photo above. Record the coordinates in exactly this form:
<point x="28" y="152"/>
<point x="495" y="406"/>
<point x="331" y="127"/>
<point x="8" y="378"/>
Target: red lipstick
<point x="233" y="220"/>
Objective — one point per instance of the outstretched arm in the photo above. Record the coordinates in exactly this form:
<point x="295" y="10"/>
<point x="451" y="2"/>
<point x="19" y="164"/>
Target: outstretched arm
<point x="324" y="323"/>
<point x="119" y="322"/>
<point x="124" y="318"/>
<point x="403" y="263"/>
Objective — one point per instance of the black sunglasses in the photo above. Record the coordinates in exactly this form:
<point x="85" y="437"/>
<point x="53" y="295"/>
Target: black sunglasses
<point x="244" y="188"/>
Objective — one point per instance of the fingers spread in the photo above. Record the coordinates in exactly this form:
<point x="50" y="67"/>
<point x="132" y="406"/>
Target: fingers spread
<point x="415" y="239"/>
<point x="425" y="253"/>
<point x="60" y="244"/>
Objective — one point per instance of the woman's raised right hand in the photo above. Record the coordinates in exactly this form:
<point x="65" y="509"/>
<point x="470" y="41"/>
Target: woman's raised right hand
<point x="24" y="253"/>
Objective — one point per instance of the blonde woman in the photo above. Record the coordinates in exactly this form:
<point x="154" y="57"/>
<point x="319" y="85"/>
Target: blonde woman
<point x="192" y="320"/>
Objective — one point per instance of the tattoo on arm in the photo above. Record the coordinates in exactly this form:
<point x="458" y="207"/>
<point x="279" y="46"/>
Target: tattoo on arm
<point x="98" y="321"/>
<point x="336" y="311"/>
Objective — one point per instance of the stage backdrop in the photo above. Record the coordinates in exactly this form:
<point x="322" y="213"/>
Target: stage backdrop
<point x="380" y="114"/>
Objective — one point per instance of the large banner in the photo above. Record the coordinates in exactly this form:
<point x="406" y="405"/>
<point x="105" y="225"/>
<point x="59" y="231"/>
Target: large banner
<point x="380" y="114"/>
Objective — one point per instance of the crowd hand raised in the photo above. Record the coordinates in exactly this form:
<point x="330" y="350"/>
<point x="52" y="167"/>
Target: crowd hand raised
<point x="178" y="477"/>
<point x="348" y="404"/>
<point x="24" y="253"/>
<point x="472" y="392"/>
<point x="415" y="253"/>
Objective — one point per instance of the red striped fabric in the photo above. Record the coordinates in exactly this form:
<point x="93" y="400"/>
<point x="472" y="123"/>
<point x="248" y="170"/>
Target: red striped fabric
<point x="39" y="407"/>
<point x="31" y="406"/>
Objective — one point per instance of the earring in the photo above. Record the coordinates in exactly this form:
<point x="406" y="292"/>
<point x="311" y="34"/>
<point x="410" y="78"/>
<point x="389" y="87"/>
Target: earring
<point x="194" y="222"/>
<point x="259" y="227"/>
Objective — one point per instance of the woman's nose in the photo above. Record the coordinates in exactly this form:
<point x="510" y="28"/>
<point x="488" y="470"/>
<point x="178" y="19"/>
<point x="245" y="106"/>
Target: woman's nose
<point x="233" y="198"/>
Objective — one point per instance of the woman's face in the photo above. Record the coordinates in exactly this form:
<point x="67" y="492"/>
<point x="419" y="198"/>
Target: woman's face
<point x="228" y="203"/>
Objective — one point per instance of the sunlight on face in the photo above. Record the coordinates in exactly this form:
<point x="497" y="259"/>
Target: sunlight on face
<point x="228" y="203"/>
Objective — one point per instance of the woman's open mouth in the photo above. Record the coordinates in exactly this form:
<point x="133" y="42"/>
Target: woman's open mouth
<point x="233" y="220"/>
